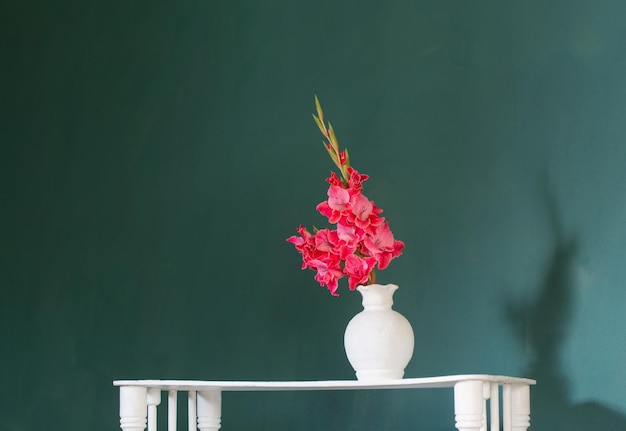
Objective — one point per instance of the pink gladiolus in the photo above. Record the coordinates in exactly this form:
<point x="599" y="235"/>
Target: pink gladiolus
<point x="327" y="275"/>
<point x="338" y="198"/>
<point x="299" y="241"/>
<point x="326" y="240"/>
<point x="382" y="240"/>
<point x="364" y="214"/>
<point x="355" y="183"/>
<point x="348" y="240"/>
<point x="334" y="209"/>
<point x="348" y="234"/>
<point x="305" y="244"/>
<point x="358" y="270"/>
<point x="361" y="207"/>
<point x="334" y="180"/>
<point x="383" y="246"/>
<point x="362" y="239"/>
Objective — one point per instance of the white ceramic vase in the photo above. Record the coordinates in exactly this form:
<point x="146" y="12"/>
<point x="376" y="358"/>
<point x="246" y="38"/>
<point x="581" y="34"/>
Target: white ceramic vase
<point x="378" y="340"/>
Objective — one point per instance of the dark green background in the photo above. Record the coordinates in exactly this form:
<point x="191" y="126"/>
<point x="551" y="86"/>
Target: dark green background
<point x="155" y="155"/>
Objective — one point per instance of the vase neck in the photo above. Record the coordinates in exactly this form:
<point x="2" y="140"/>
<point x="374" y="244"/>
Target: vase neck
<point x="377" y="296"/>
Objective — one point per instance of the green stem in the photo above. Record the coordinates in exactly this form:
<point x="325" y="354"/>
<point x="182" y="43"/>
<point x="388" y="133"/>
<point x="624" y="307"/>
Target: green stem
<point x="372" y="277"/>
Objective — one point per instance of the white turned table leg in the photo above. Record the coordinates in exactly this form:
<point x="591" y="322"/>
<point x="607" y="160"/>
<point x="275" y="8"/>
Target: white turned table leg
<point x="209" y="410"/>
<point x="520" y="407"/>
<point x="133" y="408"/>
<point x="468" y="405"/>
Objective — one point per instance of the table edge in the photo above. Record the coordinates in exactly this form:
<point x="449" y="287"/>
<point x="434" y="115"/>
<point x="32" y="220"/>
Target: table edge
<point x="406" y="383"/>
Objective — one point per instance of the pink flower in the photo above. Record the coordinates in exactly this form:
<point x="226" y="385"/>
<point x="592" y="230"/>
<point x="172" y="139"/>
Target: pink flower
<point x="358" y="270"/>
<point x="327" y="274"/>
<point x="300" y="241"/>
<point x="306" y="245"/>
<point x="338" y="198"/>
<point x="334" y="180"/>
<point x="362" y="239"/>
<point x="326" y="240"/>
<point x="361" y="208"/>
<point x="383" y="246"/>
<point x="334" y="208"/>
<point x="355" y="183"/>
<point x="348" y="240"/>
<point x="364" y="214"/>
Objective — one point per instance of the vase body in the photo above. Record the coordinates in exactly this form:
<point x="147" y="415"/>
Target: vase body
<point x="378" y="340"/>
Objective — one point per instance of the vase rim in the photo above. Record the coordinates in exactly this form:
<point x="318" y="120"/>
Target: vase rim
<point x="362" y="287"/>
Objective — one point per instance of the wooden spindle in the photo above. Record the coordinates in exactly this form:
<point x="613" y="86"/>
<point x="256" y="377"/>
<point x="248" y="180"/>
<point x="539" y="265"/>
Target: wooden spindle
<point x="172" y="406"/>
<point x="191" y="411"/>
<point x="153" y="399"/>
<point x="494" y="406"/>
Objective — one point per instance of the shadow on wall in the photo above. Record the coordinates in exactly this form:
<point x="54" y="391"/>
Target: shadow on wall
<point x="542" y="325"/>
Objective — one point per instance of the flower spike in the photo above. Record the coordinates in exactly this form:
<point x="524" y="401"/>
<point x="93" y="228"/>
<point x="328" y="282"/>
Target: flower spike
<point x="362" y="240"/>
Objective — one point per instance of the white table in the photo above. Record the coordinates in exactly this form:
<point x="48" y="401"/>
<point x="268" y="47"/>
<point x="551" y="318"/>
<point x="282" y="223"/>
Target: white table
<point x="473" y="395"/>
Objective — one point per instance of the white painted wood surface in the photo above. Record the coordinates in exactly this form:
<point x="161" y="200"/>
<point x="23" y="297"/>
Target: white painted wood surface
<point x="474" y="394"/>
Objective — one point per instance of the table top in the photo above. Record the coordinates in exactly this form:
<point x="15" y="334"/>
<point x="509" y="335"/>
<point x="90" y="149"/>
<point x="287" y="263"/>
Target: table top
<point x="406" y="383"/>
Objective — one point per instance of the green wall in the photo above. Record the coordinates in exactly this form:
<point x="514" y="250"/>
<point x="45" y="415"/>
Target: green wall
<point x="155" y="156"/>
